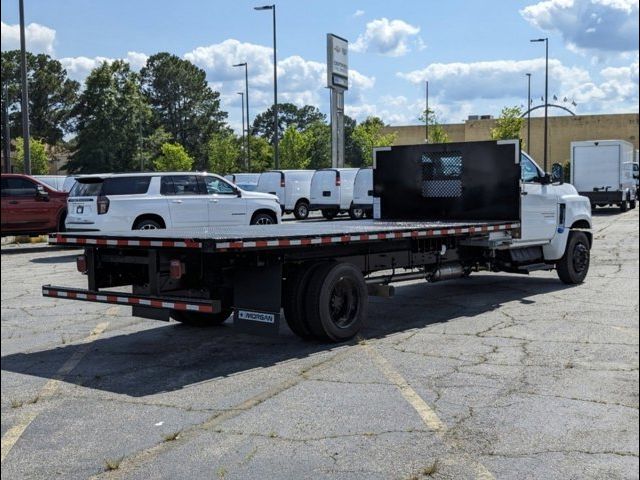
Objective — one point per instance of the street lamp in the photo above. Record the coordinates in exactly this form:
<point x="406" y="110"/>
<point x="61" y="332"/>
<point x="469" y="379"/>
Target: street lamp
<point x="426" y="112"/>
<point x="528" y="112"/>
<point x="246" y="98"/>
<point x="546" y="94"/>
<point x="275" y="85"/>
<point x="25" y="95"/>
<point x="244" y="147"/>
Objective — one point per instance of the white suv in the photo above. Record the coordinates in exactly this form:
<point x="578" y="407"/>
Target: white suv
<point x="139" y="201"/>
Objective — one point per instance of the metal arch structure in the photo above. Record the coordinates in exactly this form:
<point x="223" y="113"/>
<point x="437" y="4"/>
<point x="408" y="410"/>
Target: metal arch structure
<point x="549" y="105"/>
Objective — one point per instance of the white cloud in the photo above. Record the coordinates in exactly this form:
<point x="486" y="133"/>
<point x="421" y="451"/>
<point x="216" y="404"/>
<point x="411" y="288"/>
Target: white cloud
<point x="38" y="38"/>
<point x="596" y="25"/>
<point x="358" y="13"/>
<point x="300" y="81"/>
<point x="494" y="79"/>
<point x="388" y="37"/>
<point x="79" y="67"/>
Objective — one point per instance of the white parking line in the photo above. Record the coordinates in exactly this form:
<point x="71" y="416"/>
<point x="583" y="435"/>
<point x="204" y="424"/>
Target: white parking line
<point x="12" y="435"/>
<point x="428" y="415"/>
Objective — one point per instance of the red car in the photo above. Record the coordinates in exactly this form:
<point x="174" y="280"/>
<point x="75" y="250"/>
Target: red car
<point x="30" y="207"/>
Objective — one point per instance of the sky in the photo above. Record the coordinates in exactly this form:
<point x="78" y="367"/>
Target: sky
<point x="475" y="54"/>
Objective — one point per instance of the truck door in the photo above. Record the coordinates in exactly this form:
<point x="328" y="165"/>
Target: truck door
<point x="225" y="206"/>
<point x="539" y="204"/>
<point x="186" y="201"/>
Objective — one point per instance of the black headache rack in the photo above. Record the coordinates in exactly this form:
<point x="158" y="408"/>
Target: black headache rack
<point x="253" y="271"/>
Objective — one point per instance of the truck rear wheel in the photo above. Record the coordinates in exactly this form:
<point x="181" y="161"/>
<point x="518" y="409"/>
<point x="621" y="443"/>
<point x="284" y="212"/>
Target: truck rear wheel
<point x="336" y="301"/>
<point x="356" y="213"/>
<point x="197" y="319"/>
<point x="624" y="205"/>
<point x="574" y="264"/>
<point x="301" y="210"/>
<point x="294" y="299"/>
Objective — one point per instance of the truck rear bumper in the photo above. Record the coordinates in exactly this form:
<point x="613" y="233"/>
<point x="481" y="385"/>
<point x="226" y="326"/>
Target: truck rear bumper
<point x="120" y="298"/>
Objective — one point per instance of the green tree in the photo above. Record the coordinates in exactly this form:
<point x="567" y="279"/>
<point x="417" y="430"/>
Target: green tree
<point x="173" y="158"/>
<point x="318" y="139"/>
<point x="368" y="135"/>
<point x="508" y="125"/>
<point x="52" y="96"/>
<point x="182" y="102"/>
<point x="352" y="152"/>
<point x="437" y="133"/>
<point x="151" y="147"/>
<point x="38" y="155"/>
<point x="288" y="116"/>
<point x="294" y="150"/>
<point x="113" y="118"/>
<point x="261" y="154"/>
<point x="224" y="152"/>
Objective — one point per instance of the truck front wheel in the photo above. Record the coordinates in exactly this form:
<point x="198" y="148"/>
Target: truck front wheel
<point x="574" y="264"/>
<point x="197" y="319"/>
<point x="336" y="301"/>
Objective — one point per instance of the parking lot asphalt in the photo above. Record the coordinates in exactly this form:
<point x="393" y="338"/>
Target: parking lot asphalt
<point x="494" y="376"/>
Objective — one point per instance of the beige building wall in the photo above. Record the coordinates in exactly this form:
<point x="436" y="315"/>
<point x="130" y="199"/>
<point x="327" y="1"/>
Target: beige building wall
<point x="562" y="131"/>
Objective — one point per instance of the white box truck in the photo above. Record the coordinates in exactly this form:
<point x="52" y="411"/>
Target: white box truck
<point x="602" y="170"/>
<point x="332" y="192"/>
<point x="246" y="181"/>
<point x="292" y="188"/>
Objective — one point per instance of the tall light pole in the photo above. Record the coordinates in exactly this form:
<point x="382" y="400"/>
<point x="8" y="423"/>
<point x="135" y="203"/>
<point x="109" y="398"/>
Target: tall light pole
<point x="275" y="85"/>
<point x="25" y="95"/>
<point x="246" y="99"/>
<point x="6" y="148"/>
<point x="426" y="112"/>
<point x="546" y="95"/>
<point x="528" y="112"/>
<point x="244" y="147"/>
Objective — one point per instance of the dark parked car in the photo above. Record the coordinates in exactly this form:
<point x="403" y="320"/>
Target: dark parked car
<point x="31" y="207"/>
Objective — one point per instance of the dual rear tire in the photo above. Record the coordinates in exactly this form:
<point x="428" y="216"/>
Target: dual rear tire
<point x="326" y="301"/>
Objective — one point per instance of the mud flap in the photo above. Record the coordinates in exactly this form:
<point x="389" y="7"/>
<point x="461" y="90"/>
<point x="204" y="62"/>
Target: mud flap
<point x="256" y="299"/>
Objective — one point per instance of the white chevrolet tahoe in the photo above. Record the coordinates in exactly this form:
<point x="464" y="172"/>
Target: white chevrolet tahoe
<point x="141" y="201"/>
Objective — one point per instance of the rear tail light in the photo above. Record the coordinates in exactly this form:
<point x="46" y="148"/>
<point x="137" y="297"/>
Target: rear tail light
<point x="282" y="182"/>
<point x="103" y="205"/>
<point x="81" y="263"/>
<point x="337" y="179"/>
<point x="176" y="269"/>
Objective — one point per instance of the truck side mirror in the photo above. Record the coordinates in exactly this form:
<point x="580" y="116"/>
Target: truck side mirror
<point x="557" y="173"/>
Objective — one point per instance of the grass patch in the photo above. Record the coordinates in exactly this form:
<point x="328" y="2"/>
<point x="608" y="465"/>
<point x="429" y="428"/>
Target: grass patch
<point x="16" y="403"/>
<point x="112" y="463"/>
<point x="221" y="472"/>
<point x="170" y="437"/>
<point x="33" y="400"/>
<point x="430" y="469"/>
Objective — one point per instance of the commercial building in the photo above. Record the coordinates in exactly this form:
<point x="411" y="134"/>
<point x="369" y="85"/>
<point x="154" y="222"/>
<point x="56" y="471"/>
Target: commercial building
<point x="562" y="131"/>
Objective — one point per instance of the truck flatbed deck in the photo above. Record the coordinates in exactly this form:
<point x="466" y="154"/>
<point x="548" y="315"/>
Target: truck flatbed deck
<point x="283" y="235"/>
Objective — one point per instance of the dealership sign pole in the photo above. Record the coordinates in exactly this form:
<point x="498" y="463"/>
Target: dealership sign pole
<point x="337" y="82"/>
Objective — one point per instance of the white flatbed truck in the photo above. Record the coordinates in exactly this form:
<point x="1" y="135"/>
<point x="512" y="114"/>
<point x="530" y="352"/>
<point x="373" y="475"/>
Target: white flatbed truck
<point x="441" y="212"/>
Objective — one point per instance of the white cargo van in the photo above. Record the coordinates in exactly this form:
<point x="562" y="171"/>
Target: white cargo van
<point x="363" y="191"/>
<point x="332" y="192"/>
<point x="246" y="181"/>
<point x="292" y="188"/>
<point x="602" y="170"/>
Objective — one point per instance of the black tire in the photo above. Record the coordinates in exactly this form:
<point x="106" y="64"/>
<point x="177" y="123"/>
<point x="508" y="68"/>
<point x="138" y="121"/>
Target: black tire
<point x="301" y="210"/>
<point x="147" y="224"/>
<point x="336" y="301"/>
<point x="197" y="319"/>
<point x="573" y="266"/>
<point x="329" y="214"/>
<point x="263" y="219"/>
<point x="632" y="204"/>
<point x="624" y="206"/>
<point x="294" y="300"/>
<point x="356" y="213"/>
